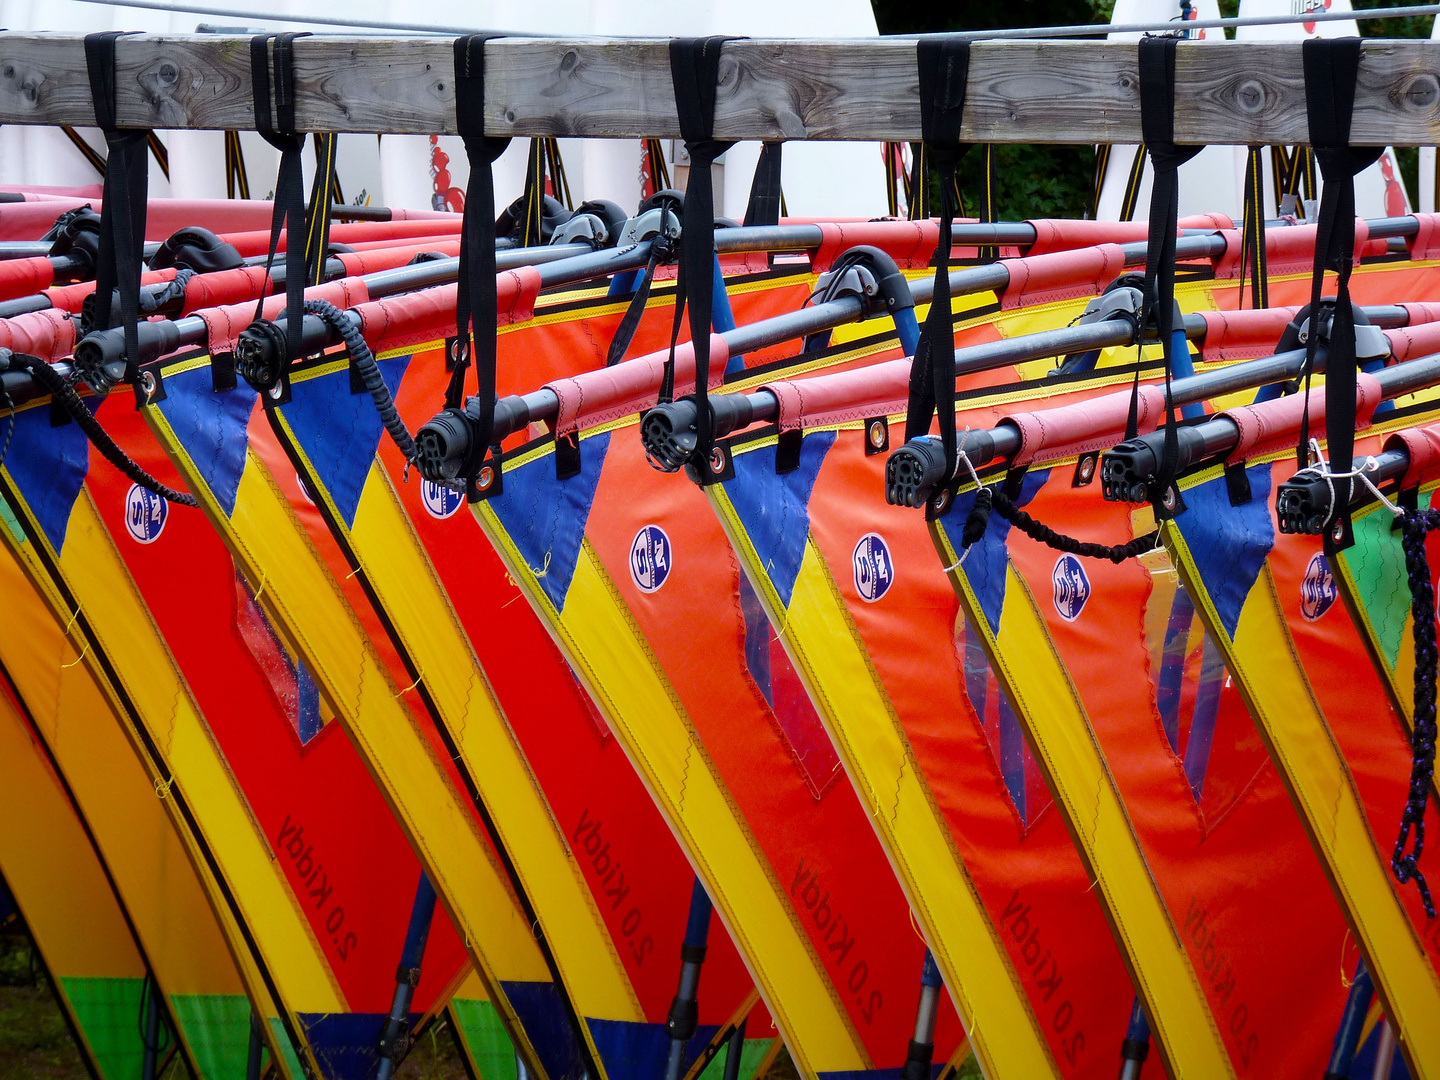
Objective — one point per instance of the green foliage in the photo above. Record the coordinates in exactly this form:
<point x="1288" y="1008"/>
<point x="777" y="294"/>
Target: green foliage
<point x="1058" y="181"/>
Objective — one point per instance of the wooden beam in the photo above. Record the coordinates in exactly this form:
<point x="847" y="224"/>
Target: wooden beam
<point x="1019" y="92"/>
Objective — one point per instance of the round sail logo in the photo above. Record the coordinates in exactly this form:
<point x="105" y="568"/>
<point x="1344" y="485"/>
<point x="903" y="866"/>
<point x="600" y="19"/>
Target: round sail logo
<point x="1317" y="589"/>
<point x="1072" y="587"/>
<point x="145" y="514"/>
<point x="440" y="501"/>
<point x="650" y="558"/>
<point x="874" y="569"/>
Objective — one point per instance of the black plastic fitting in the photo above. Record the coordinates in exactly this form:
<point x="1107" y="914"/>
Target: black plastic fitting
<point x="1303" y="504"/>
<point x="914" y="472"/>
<point x="668" y="430"/>
<point x="100" y="355"/>
<point x="196" y="249"/>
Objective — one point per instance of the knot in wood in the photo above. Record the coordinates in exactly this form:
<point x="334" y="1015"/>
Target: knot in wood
<point x="1250" y="95"/>
<point x="569" y="62"/>
<point x="1419" y="92"/>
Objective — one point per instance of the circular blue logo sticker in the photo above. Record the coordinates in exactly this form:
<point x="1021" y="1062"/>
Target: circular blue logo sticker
<point x="650" y="558"/>
<point x="145" y="514"/>
<point x="874" y="569"/>
<point x="440" y="501"/>
<point x="1072" y="587"/>
<point x="1317" y="589"/>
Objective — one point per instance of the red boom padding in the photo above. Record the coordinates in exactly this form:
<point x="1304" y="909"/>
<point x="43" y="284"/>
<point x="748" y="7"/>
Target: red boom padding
<point x="1423" y="445"/>
<point x="224" y="324"/>
<point x="71" y="297"/>
<point x="25" y="277"/>
<point x="48" y="334"/>
<point x="1274" y="424"/>
<point x="597" y="397"/>
<point x="1061" y="275"/>
<point x="420" y="317"/>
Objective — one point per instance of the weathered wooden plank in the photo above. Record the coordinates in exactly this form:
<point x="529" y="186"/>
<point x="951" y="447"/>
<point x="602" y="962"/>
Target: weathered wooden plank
<point x="1020" y="91"/>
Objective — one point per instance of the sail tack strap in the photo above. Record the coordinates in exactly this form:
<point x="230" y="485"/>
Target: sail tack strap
<point x="1331" y="67"/>
<point x="695" y="71"/>
<point x="278" y="129"/>
<point x="944" y="67"/>
<point x="475" y="316"/>
<point x="122" y="216"/>
<point x="1157" y="123"/>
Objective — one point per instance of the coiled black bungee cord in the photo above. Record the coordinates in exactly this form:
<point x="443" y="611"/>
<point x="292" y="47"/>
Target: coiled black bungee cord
<point x="364" y="361"/>
<point x="1414" y="525"/>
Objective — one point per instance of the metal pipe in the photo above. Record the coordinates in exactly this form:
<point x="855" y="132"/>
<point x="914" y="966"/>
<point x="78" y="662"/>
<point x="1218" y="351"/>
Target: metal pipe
<point x="921" y="1049"/>
<point x="734" y="1050"/>
<point x="1352" y="1022"/>
<point x="395" y="1036"/>
<point x="1385" y="1052"/>
<point x="252" y="1059"/>
<point x="683" y="1018"/>
<point x="1136" y="1046"/>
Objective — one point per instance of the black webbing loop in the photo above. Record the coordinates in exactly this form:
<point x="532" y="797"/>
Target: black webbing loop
<point x="944" y="66"/>
<point x="278" y="129"/>
<point x="765" y="195"/>
<point x="662" y="251"/>
<point x="1157" y="124"/>
<point x="475" y="317"/>
<point x="695" y="71"/>
<point x="1253" y="260"/>
<point x="122" y="214"/>
<point x="1331" y="67"/>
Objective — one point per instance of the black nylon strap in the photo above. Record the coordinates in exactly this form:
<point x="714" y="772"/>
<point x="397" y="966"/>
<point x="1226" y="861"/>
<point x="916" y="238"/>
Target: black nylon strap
<point x="662" y="250"/>
<point x="1331" y="67"/>
<point x="122" y="215"/>
<point x="764" y="206"/>
<point x="944" y="66"/>
<point x="475" y="317"/>
<point x="695" y="71"/>
<point x="1157" y="124"/>
<point x="278" y="129"/>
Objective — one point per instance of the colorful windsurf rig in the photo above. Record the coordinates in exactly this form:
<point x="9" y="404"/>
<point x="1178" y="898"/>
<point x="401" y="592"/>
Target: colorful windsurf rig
<point x="551" y="333"/>
<point x="307" y="789"/>
<point x="445" y="605"/>
<point x="706" y="849"/>
<point x="98" y="544"/>
<point x="287" y="581"/>
<point x="287" y="584"/>
<point x="848" y="599"/>
<point x="193" y="946"/>
<point x="225" y="320"/>
<point x="813" y="396"/>
<point x="1315" y="702"/>
<point x="825" y="588"/>
<point x="52" y="872"/>
<point x="1028" y="640"/>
